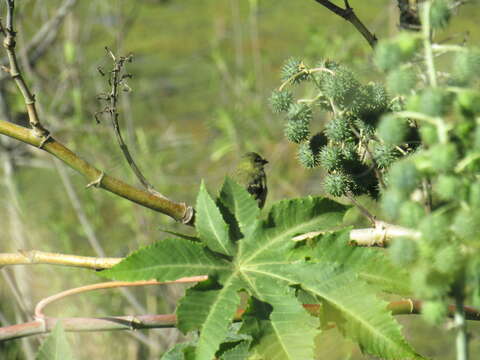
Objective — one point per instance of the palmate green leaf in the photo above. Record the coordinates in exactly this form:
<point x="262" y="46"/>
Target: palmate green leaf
<point x="285" y="220"/>
<point x="367" y="321"/>
<point x="241" y="204"/>
<point x="239" y="352"/>
<point x="365" y="318"/>
<point x="262" y="267"/>
<point x="166" y="260"/>
<point x="211" y="227"/>
<point x="55" y="347"/>
<point x="180" y="351"/>
<point x="369" y="263"/>
<point x="210" y="311"/>
<point x="291" y="331"/>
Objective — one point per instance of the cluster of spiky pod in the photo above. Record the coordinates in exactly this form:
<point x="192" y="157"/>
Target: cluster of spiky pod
<point x="436" y="189"/>
<point x="346" y="146"/>
<point x="417" y="148"/>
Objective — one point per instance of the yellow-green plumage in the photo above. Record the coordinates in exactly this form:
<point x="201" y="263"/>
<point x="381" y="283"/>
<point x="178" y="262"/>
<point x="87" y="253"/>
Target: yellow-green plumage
<point x="251" y="174"/>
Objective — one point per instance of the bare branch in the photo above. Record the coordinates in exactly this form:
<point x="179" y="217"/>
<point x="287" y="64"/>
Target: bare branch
<point x="32" y="257"/>
<point x="107" y="323"/>
<point x="14" y="71"/>
<point x="47" y="34"/>
<point x="349" y="15"/>
<point x="178" y="211"/>
<point x="117" y="80"/>
<point x="109" y="285"/>
<point x="110" y="323"/>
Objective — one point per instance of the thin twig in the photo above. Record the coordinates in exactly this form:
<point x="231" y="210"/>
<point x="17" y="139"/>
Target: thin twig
<point x="79" y="211"/>
<point x="47" y="34"/>
<point x="45" y="37"/>
<point x="89" y="229"/>
<point x="32" y="257"/>
<point x="376" y="170"/>
<point x="117" y="80"/>
<point x="362" y="208"/>
<point x="107" y="323"/>
<point x="14" y="71"/>
<point x="110" y="323"/>
<point x="109" y="285"/>
<point x="349" y="15"/>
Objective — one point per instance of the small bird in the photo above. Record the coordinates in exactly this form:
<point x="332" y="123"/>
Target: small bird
<point x="251" y="174"/>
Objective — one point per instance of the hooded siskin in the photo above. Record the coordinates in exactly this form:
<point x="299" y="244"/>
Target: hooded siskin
<point x="251" y="174"/>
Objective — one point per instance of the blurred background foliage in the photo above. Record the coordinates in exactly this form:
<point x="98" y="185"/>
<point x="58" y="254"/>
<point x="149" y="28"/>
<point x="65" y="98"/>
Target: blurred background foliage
<point x="203" y="71"/>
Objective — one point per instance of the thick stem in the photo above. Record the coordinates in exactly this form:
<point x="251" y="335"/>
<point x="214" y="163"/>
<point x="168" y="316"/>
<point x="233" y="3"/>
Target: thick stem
<point x="427" y="44"/>
<point x="461" y="341"/>
<point x="178" y="211"/>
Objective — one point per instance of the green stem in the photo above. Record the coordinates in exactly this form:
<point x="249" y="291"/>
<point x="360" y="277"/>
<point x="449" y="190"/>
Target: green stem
<point x="428" y="45"/>
<point x="178" y="211"/>
<point x="461" y="327"/>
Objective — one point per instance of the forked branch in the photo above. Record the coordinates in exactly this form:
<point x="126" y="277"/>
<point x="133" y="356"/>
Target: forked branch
<point x="40" y="137"/>
<point x="349" y="15"/>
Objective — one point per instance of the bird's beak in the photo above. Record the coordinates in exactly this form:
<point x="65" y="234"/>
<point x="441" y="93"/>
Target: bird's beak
<point x="264" y="162"/>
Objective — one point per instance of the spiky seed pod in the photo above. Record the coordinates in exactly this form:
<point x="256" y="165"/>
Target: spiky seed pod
<point x="300" y="112"/>
<point x="338" y="130"/>
<point x="330" y="64"/>
<point x="401" y="81"/>
<point x="403" y="252"/>
<point x="366" y="129"/>
<point x="435" y="229"/>
<point x="384" y="155"/>
<point x="434" y="311"/>
<point x="397" y="104"/>
<point x="428" y="134"/>
<point x="294" y="70"/>
<point x="448" y="187"/>
<point x="392" y="129"/>
<point x="476" y="138"/>
<point x="428" y="284"/>
<point x="443" y="157"/>
<point x="474" y="195"/>
<point x="468" y="102"/>
<point x="341" y="86"/>
<point x="440" y="14"/>
<point x="297" y="131"/>
<point x="434" y="102"/>
<point x="391" y="203"/>
<point x="370" y="101"/>
<point x="378" y="97"/>
<point x="404" y="176"/>
<point x="324" y="104"/>
<point x="413" y="103"/>
<point x="466" y="65"/>
<point x="410" y="214"/>
<point x="349" y="151"/>
<point x="331" y="158"/>
<point x="409" y="44"/>
<point x="281" y="100"/>
<point x="308" y="155"/>
<point x="388" y="55"/>
<point x="448" y="259"/>
<point x="466" y="224"/>
<point x="337" y="184"/>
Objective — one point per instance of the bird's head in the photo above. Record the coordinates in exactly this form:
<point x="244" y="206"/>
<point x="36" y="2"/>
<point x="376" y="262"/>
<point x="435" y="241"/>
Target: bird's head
<point x="254" y="159"/>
